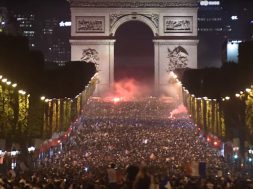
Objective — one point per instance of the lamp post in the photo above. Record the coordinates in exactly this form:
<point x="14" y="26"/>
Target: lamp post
<point x="250" y="157"/>
<point x="31" y="151"/>
<point x="236" y="156"/>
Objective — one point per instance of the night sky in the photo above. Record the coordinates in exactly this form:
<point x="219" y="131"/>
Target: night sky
<point x="45" y="8"/>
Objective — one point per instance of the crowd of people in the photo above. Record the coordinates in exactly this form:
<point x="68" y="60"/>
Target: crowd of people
<point x="131" y="144"/>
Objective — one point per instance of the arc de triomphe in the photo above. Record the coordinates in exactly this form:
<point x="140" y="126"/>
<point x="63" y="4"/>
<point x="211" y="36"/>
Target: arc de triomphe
<point x="173" y="23"/>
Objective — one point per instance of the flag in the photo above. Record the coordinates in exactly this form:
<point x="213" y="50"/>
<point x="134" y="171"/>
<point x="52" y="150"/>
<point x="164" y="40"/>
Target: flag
<point x="194" y="168"/>
<point x="202" y="169"/>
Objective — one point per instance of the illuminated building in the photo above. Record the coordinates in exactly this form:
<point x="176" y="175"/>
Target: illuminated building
<point x="221" y="25"/>
<point x="3" y="18"/>
<point x="46" y="36"/>
<point x="240" y="21"/>
<point x="54" y="41"/>
<point x="232" y="51"/>
<point x="43" y="34"/>
<point x="27" y="24"/>
<point x="211" y="17"/>
<point x="239" y="18"/>
<point x="212" y="32"/>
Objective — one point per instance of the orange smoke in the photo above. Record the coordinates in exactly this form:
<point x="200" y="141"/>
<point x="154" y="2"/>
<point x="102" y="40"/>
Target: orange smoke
<point x="128" y="89"/>
<point x="180" y="111"/>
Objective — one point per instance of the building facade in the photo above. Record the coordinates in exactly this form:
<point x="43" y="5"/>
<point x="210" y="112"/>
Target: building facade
<point x="173" y="23"/>
<point x="3" y="18"/>
<point x="213" y="31"/>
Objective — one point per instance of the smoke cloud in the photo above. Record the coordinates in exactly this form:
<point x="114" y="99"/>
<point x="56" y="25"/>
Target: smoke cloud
<point x="128" y="89"/>
<point x="179" y="112"/>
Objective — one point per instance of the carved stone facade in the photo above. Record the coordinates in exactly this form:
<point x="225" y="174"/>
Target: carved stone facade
<point x="91" y="56"/>
<point x="178" y="24"/>
<point x="173" y="23"/>
<point x="177" y="58"/>
<point x="133" y="3"/>
<point x="152" y="17"/>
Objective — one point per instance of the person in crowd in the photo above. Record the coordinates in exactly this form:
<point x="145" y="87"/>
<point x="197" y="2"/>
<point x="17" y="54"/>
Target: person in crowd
<point x="127" y="133"/>
<point x="143" y="179"/>
<point x="112" y="176"/>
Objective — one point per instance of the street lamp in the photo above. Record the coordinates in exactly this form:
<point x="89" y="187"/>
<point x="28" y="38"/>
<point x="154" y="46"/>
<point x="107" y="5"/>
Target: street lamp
<point x="248" y="90"/>
<point x="42" y="98"/>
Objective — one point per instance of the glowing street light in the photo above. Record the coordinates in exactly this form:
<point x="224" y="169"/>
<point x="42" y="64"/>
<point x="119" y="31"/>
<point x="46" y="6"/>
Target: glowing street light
<point x="8" y="82"/>
<point x="22" y="92"/>
<point x="42" y="98"/>
<point x="237" y="95"/>
<point x="248" y="90"/>
<point x="4" y="80"/>
<point x="14" y="85"/>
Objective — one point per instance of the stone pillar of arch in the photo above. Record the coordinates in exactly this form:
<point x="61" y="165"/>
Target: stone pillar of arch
<point x="173" y="23"/>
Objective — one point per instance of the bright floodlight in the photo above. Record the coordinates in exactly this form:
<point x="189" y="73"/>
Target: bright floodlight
<point x="234" y="17"/>
<point x="64" y="24"/>
<point x="209" y="3"/>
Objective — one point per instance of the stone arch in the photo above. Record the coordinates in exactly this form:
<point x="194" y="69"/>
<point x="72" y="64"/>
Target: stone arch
<point x="134" y="17"/>
<point x="95" y="23"/>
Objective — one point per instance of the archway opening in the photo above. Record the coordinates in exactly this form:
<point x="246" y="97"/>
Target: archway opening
<point x="134" y="56"/>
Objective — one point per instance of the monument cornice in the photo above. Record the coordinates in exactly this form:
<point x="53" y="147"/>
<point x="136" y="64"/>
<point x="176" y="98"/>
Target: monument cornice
<point x="132" y="3"/>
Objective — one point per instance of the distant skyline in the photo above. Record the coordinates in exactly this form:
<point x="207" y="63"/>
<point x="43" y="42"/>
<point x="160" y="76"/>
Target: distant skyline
<point x="43" y="7"/>
<point x="59" y="9"/>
